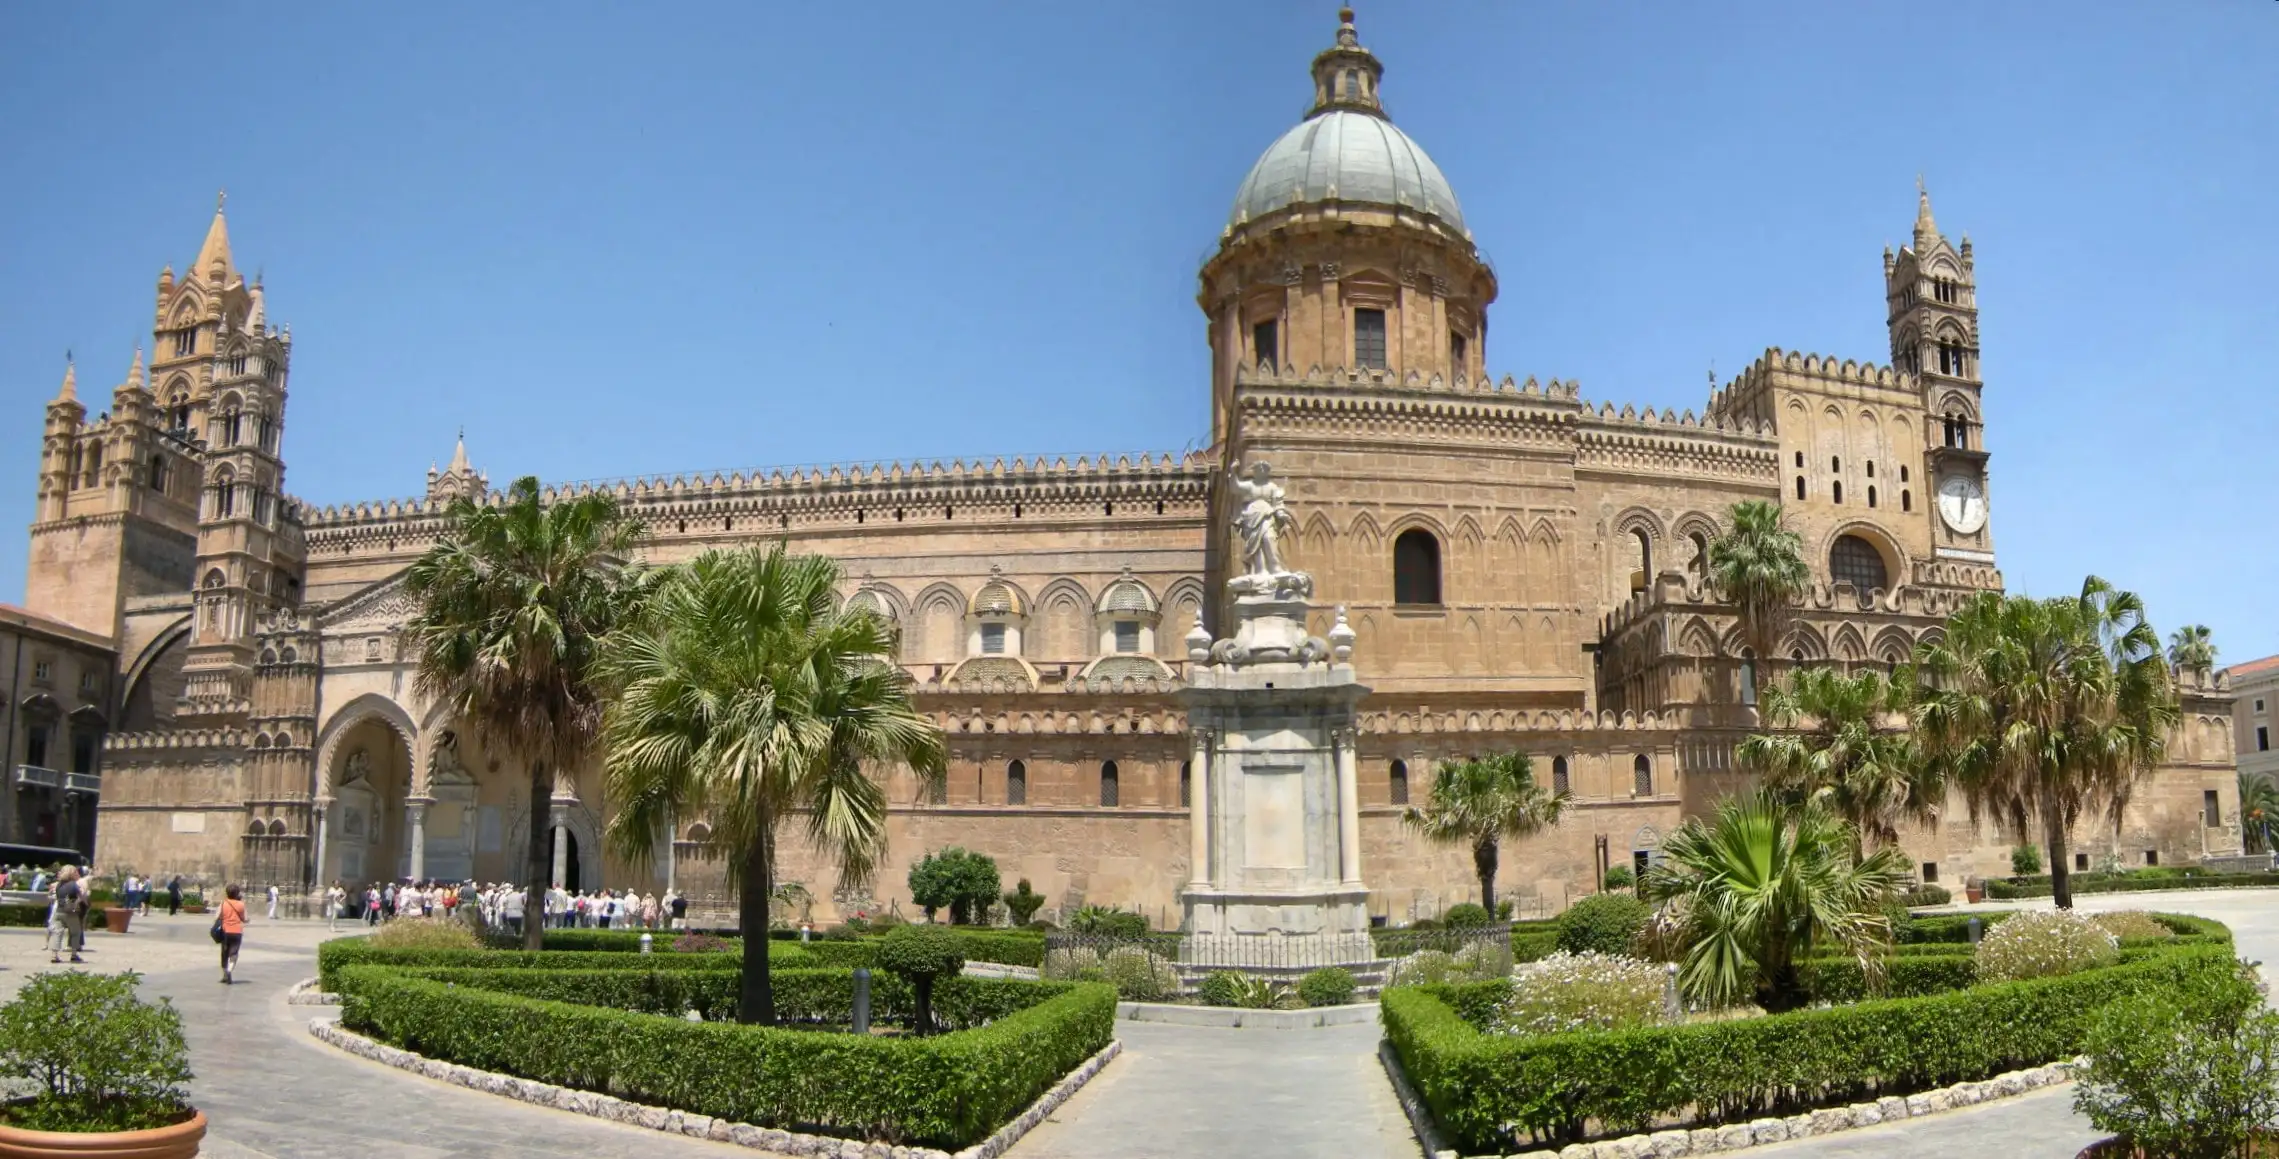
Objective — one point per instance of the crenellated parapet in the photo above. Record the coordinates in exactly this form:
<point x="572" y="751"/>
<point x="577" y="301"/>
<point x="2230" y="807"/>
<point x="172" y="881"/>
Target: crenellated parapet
<point x="1560" y="721"/>
<point x="1711" y="447"/>
<point x="226" y="741"/>
<point x="1749" y="395"/>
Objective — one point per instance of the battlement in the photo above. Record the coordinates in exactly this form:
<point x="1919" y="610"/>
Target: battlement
<point x="1748" y="387"/>
<point x="221" y="739"/>
<point x="1267" y="375"/>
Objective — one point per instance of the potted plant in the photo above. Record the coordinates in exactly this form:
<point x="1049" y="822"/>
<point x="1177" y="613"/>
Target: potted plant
<point x="116" y="917"/>
<point x="1974" y="890"/>
<point x="106" y="1071"/>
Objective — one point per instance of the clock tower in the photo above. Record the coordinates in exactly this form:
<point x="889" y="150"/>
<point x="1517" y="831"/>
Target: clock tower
<point x="1931" y="294"/>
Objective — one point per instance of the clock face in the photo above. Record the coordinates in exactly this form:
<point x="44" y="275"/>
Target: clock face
<point x="1962" y="503"/>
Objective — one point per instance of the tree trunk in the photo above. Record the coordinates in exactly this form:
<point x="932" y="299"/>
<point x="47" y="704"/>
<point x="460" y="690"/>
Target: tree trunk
<point x="756" y="1001"/>
<point x="2061" y="867"/>
<point x="538" y="866"/>
<point x="922" y="1020"/>
<point x="1484" y="864"/>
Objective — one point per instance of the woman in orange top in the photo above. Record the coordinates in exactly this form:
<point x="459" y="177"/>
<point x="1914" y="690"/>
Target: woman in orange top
<point x="233" y="929"/>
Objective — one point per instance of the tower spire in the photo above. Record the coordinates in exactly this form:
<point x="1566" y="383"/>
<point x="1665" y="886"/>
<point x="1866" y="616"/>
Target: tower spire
<point x="70" y="391"/>
<point x="135" y="372"/>
<point x="215" y="251"/>
<point x="1926" y="230"/>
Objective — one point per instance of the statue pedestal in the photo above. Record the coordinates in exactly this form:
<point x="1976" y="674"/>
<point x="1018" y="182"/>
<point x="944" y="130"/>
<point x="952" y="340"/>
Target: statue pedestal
<point x="1277" y="873"/>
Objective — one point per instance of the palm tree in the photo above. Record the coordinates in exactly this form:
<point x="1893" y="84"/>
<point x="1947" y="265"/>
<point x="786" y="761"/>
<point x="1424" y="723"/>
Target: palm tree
<point x="747" y="693"/>
<point x="1758" y="565"/>
<point x="2258" y="813"/>
<point x="2046" y="709"/>
<point x="2192" y="648"/>
<point x="1755" y="887"/>
<point x="1479" y="802"/>
<point x="513" y="601"/>
<point x="1836" y="748"/>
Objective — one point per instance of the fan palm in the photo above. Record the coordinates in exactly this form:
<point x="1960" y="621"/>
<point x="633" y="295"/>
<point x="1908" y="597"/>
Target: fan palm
<point x="513" y="601"/>
<point x="1758" y="565"/>
<point x="2192" y="648"/>
<point x="745" y="692"/>
<point x="1755" y="887"/>
<point x="2046" y="709"/>
<point x="2258" y="813"/>
<point x="1836" y="748"/>
<point x="1481" y="801"/>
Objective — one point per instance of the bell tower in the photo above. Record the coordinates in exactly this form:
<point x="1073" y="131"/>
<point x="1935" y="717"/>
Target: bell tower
<point x="1931" y="298"/>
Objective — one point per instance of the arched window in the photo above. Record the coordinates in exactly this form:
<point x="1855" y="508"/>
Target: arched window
<point x="1643" y="556"/>
<point x="1352" y="84"/>
<point x="1856" y="561"/>
<point x="1800" y="486"/>
<point x="1907" y="501"/>
<point x="1399" y="775"/>
<point x="1836" y="491"/>
<point x="1748" y="676"/>
<point x="1016" y="784"/>
<point x="1700" y="565"/>
<point x="1186" y="783"/>
<point x="1642" y="776"/>
<point x="1416" y="568"/>
<point x="1110" y="795"/>
<point x="1559" y="780"/>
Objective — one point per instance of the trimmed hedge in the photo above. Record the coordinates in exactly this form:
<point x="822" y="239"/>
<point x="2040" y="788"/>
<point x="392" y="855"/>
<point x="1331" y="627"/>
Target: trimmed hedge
<point x="811" y="996"/>
<point x="946" y="1090"/>
<point x="2012" y="888"/>
<point x="23" y="915"/>
<point x="1555" y="1086"/>
<point x="340" y="953"/>
<point x="1004" y="947"/>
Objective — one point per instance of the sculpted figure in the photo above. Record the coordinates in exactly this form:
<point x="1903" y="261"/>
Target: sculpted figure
<point x="1261" y="518"/>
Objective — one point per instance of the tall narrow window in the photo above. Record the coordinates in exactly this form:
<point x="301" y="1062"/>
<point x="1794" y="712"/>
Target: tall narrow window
<point x="1907" y="501"/>
<point x="1457" y="348"/>
<point x="1800" y="486"/>
<point x="1369" y="338"/>
<point x="1748" y="676"/>
<point x="2263" y="738"/>
<point x="1416" y="568"/>
<point x="158" y="473"/>
<point x="1266" y="343"/>
<point x="1871" y="496"/>
<point x="1110" y="795"/>
<point x="185" y="341"/>
<point x="1127" y="636"/>
<point x="1016" y="784"/>
<point x="1903" y="473"/>
<point x="1352" y="87"/>
<point x="1399" y="777"/>
<point x="1642" y="776"/>
<point x="1186" y="783"/>
<point x="35" y="747"/>
<point x="2211" y="809"/>
<point x="1836" y="463"/>
<point x="993" y="639"/>
<point x="82" y="752"/>
<point x="1836" y="491"/>
<point x="1559" y="780"/>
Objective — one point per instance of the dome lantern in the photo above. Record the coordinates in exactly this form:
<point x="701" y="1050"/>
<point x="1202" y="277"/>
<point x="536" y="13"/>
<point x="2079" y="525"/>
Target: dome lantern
<point x="1346" y="74"/>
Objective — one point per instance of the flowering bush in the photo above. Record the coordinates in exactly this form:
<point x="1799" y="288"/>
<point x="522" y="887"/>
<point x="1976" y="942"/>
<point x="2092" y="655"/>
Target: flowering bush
<point x="1586" y="991"/>
<point x="1139" y="976"/>
<point x="1476" y="962"/>
<point x="1064" y="965"/>
<point x="2044" y="945"/>
<point x="2133" y="923"/>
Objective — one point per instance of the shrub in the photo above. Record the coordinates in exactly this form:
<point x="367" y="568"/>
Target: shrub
<point x="1503" y="909"/>
<point x="1619" y="877"/>
<point x="2132" y="925"/>
<point x="1230" y="988"/>
<point x="1923" y="895"/>
<point x="955" y="879"/>
<point x="945" y="1091"/>
<point x="1425" y="924"/>
<point x="1586" y="991"/>
<point x="1220" y="988"/>
<point x="920" y="955"/>
<point x="1480" y="1087"/>
<point x="1068" y="963"/>
<point x="1465" y="916"/>
<point x="1022" y="903"/>
<point x="1606" y="923"/>
<point x="23" y="915"/>
<point x="1436" y="967"/>
<point x="1139" y="976"/>
<point x="1328" y="986"/>
<point x="1108" y="920"/>
<point x="425" y="934"/>
<point x="2173" y="1079"/>
<point x="2044" y="945"/>
<point x="2026" y="860"/>
<point x="700" y="944"/>
<point x="96" y="1057"/>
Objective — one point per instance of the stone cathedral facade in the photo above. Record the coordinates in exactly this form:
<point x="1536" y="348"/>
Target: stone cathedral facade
<point x="1521" y="566"/>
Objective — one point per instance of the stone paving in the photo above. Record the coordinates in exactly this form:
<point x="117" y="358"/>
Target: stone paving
<point x="272" y="1090"/>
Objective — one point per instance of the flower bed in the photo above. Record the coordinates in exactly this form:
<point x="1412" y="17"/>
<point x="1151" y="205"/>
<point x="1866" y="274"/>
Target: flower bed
<point x="945" y="1090"/>
<point x="1559" y="1086"/>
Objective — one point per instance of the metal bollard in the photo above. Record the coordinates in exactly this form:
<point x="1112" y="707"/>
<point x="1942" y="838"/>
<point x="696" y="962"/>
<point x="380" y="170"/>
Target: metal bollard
<point x="803" y="933"/>
<point x="644" y="943"/>
<point x="862" y="1000"/>
<point x="1673" y="1008"/>
<point x="1976" y="928"/>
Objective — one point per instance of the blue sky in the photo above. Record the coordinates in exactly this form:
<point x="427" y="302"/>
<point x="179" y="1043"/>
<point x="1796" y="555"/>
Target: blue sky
<point x="624" y="239"/>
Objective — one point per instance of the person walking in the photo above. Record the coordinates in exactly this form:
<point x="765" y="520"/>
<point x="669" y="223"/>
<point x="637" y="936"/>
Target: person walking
<point x="232" y="925"/>
<point x="174" y="895"/>
<point x="679" y="907"/>
<point x="335" y="900"/>
<point x="67" y="916"/>
<point x="272" y="902"/>
<point x="371" y="905"/>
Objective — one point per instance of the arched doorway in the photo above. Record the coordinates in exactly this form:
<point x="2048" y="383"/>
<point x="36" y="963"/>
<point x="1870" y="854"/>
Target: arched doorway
<point x="567" y="837"/>
<point x="367" y="829"/>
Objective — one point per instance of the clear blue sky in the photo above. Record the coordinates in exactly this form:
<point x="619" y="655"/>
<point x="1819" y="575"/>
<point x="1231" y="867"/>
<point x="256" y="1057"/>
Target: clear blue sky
<point x="622" y="239"/>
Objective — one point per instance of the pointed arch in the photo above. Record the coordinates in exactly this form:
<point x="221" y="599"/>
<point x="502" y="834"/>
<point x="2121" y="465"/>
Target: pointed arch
<point x="1316" y="540"/>
<point x="1804" y="642"/>
<point x="1064" y="611"/>
<point x="938" y="628"/>
<point x="1365" y="532"/>
<point x="1892" y="646"/>
<point x="1848" y="646"/>
<point x="1696" y="638"/>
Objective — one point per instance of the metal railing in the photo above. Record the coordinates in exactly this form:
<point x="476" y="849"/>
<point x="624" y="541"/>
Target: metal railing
<point x="1488" y="946"/>
<point x="34" y="775"/>
<point x="83" y="782"/>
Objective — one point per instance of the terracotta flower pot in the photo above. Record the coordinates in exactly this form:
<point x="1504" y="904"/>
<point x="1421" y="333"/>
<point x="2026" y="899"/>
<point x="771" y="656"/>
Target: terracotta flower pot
<point x="1973" y="894"/>
<point x="115" y="918"/>
<point x="179" y="1141"/>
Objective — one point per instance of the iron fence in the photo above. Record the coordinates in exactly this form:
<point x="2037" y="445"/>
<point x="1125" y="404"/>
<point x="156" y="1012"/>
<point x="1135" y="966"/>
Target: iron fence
<point x="1485" y="948"/>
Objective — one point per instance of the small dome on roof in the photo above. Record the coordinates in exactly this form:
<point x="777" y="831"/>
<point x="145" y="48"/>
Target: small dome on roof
<point x="995" y="598"/>
<point x="1127" y="594"/>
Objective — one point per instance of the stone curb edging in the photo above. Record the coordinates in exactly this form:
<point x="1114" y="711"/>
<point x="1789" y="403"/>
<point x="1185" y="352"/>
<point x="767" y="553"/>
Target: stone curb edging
<point x="696" y="1126"/>
<point x="1733" y="1137"/>
<point x="1356" y="1014"/>
<point x="305" y="993"/>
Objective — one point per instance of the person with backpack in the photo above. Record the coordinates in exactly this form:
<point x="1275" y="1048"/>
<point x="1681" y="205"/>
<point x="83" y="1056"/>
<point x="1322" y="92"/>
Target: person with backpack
<point x="229" y="929"/>
<point x="67" y="916"/>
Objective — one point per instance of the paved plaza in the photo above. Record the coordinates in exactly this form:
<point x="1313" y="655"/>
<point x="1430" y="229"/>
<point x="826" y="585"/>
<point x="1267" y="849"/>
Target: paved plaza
<point x="272" y="1090"/>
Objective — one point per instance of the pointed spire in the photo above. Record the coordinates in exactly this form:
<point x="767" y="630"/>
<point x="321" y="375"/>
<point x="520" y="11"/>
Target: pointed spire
<point x="459" y="454"/>
<point x="135" y="373"/>
<point x="70" y="391"/>
<point x="215" y="251"/>
<point x="1926" y="230"/>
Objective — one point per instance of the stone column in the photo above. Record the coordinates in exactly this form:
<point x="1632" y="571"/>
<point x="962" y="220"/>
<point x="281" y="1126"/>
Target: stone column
<point x="318" y="811"/>
<point x="418" y="812"/>
<point x="1348" y="808"/>
<point x="672" y="860"/>
<point x="1199" y="805"/>
<point x="561" y="846"/>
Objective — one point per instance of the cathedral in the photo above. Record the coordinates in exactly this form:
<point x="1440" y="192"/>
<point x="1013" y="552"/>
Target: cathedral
<point x="1522" y="569"/>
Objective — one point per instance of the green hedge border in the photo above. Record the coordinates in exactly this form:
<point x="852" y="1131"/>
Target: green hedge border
<point x="2134" y="881"/>
<point x="948" y="1090"/>
<point x="1002" y="947"/>
<point x="1476" y="1083"/>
